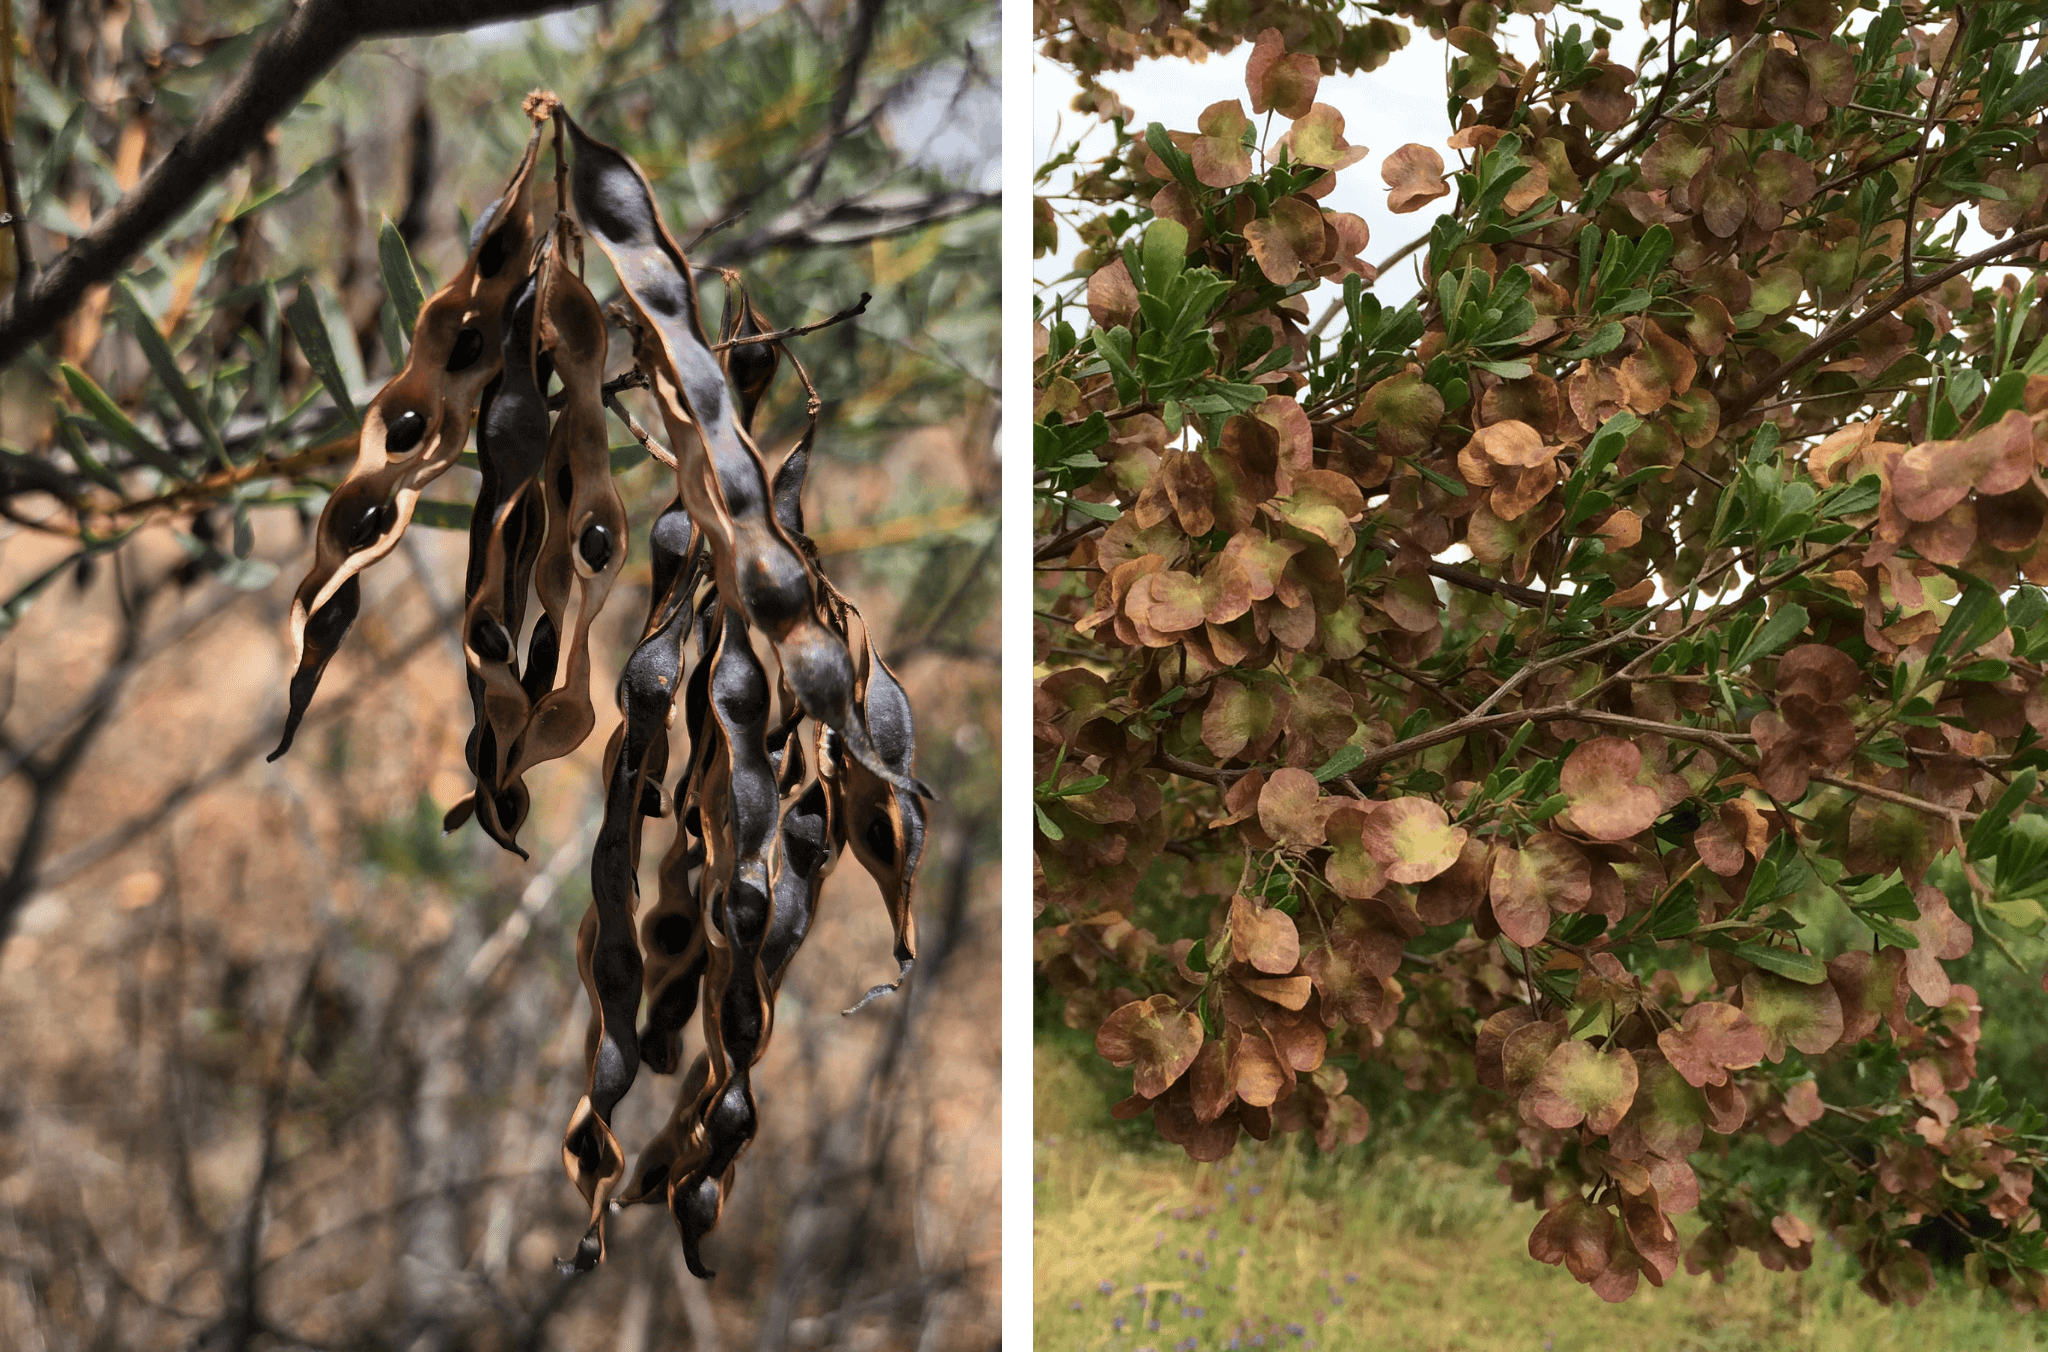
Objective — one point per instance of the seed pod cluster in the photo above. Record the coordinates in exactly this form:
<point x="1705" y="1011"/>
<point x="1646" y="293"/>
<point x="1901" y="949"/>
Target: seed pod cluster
<point x="799" y="738"/>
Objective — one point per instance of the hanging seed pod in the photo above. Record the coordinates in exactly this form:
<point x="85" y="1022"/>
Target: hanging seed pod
<point x="634" y="765"/>
<point x="885" y="825"/>
<point x="513" y="447"/>
<point x="585" y="545"/>
<point x="751" y="366"/>
<point x="787" y="764"/>
<point x="719" y="473"/>
<point x="412" y="432"/>
<point x="672" y="933"/>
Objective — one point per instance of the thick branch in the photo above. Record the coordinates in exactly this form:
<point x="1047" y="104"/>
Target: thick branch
<point x="299" y="50"/>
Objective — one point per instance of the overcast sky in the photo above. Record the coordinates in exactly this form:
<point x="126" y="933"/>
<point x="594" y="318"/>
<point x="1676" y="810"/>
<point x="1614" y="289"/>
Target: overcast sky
<point x="1401" y="102"/>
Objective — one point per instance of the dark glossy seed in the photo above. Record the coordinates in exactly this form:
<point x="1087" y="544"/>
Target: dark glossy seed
<point x="469" y="345"/>
<point x="488" y="640"/>
<point x="565" y="486"/>
<point x="491" y="257"/>
<point x="672" y="934"/>
<point x="881" y="838"/>
<point x="595" y="546"/>
<point x="370" y="524"/>
<point x="403" y="432"/>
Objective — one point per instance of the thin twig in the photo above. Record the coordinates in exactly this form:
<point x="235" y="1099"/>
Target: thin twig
<point x="1962" y="22"/>
<point x="1835" y="337"/>
<point x="858" y="307"/>
<point x="859" y="43"/>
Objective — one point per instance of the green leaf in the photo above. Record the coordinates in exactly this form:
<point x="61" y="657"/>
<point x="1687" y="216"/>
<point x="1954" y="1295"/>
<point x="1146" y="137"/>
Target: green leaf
<point x="311" y="178"/>
<point x="109" y="416"/>
<point x="156" y="349"/>
<point x="1047" y="825"/>
<point x="2007" y="393"/>
<point x="74" y="442"/>
<point x="1973" y="620"/>
<point x="1785" y="624"/>
<point x="1163" y="254"/>
<point x="1804" y="968"/>
<point x="1448" y="485"/>
<point x="441" y="515"/>
<point x="310" y="328"/>
<point x="1989" y="829"/>
<point x="401" y="282"/>
<point x="1346" y="759"/>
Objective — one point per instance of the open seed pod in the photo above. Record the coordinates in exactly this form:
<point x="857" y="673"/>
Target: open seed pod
<point x="412" y="432"/>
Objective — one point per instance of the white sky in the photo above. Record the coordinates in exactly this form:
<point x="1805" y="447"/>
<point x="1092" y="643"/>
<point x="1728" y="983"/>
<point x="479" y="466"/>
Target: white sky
<point x="1401" y="102"/>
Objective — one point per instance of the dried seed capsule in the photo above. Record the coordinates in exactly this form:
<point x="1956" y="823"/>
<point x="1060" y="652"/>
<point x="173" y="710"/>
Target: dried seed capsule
<point x="719" y="474"/>
<point x="427" y="408"/>
<point x="884" y="824"/>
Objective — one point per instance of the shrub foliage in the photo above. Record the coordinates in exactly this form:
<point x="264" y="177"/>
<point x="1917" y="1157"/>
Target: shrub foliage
<point x="1608" y="684"/>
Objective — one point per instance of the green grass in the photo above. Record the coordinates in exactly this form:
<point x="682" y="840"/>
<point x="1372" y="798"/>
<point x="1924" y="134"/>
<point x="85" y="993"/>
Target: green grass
<point x="1412" y="1250"/>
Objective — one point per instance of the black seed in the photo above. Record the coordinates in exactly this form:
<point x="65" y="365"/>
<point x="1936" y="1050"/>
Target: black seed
<point x="491" y="257"/>
<point x="403" y="432"/>
<point x="881" y="838"/>
<point x="595" y="546"/>
<point x="672" y="935"/>
<point x="371" y="522"/>
<point x="565" y="486"/>
<point x="488" y="639"/>
<point x="469" y="345"/>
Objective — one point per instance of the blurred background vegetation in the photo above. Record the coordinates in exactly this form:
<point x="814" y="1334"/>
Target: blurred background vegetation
<point x="282" y="1065"/>
<point x="1411" y="1242"/>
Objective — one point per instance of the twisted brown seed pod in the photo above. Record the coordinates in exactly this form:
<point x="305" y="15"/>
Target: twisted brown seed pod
<point x="512" y="448"/>
<point x="719" y="473"/>
<point x="585" y="545"/>
<point x="635" y="762"/>
<point x="671" y="932"/>
<point x="884" y="824"/>
<point x="742" y="818"/>
<point x="412" y="431"/>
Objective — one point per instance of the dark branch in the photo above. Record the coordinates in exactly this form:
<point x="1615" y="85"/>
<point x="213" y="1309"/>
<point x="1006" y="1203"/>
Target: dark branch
<point x="865" y="21"/>
<point x="304" y="46"/>
<point x="853" y="221"/>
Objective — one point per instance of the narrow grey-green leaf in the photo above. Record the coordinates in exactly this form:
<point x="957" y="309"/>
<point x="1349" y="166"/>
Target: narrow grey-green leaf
<point x="311" y="330"/>
<point x="1804" y="968"/>
<point x="81" y="453"/>
<point x="156" y="349"/>
<point x="441" y="515"/>
<point x="313" y="175"/>
<point x="118" y="425"/>
<point x="394" y="339"/>
<point x="401" y="282"/>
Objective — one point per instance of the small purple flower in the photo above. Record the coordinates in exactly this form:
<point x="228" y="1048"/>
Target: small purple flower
<point x="1350" y="1277"/>
<point x="1258" y="1188"/>
<point x="1107" y="1288"/>
<point x="1074" y="1305"/>
<point x="1152" y="1324"/>
<point x="1116" y="1325"/>
<point x="1183" y="1255"/>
